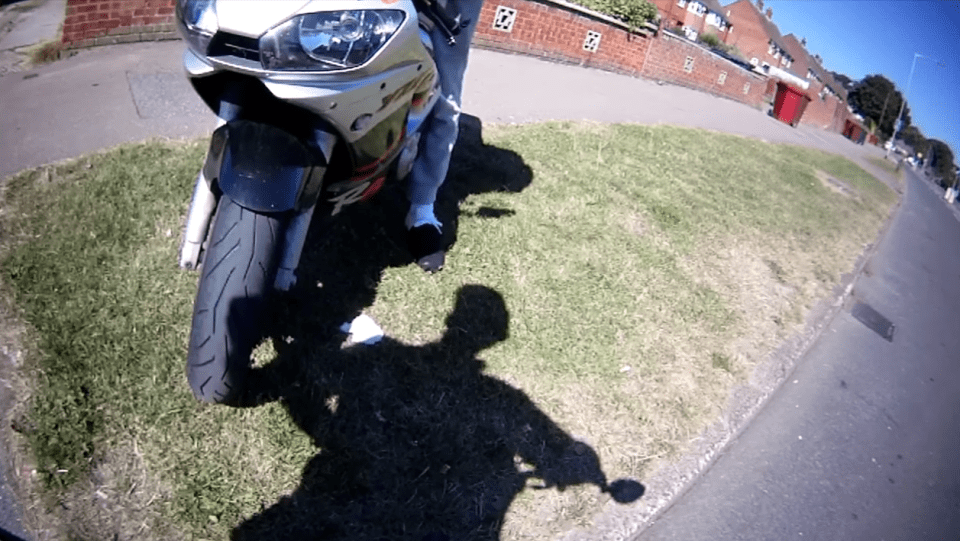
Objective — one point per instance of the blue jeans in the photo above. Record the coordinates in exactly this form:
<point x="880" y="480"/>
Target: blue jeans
<point x="440" y="132"/>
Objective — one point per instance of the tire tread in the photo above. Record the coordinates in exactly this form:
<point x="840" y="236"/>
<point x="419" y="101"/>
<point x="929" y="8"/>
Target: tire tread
<point x="242" y="263"/>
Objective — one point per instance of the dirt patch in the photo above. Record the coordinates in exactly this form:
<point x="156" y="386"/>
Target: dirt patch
<point x="836" y="185"/>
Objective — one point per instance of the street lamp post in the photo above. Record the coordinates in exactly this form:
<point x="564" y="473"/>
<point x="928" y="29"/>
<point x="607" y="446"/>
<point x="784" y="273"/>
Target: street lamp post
<point x="903" y="102"/>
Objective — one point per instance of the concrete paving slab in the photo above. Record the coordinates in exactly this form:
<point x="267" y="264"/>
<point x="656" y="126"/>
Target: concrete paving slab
<point x="111" y="100"/>
<point x="34" y="22"/>
<point x="161" y="96"/>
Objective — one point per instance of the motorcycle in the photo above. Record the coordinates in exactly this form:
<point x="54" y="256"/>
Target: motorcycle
<point x="320" y="103"/>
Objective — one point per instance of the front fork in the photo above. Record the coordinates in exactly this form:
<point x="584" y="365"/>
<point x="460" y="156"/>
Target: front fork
<point x="202" y="207"/>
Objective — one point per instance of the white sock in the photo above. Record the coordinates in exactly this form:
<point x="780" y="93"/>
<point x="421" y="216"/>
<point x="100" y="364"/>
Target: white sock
<point x="421" y="215"/>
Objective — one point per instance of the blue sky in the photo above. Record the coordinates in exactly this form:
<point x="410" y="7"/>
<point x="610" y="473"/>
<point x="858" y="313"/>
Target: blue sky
<point x="865" y="38"/>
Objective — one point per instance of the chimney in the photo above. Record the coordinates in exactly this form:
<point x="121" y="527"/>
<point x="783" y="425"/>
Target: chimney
<point x="770" y="14"/>
<point x="803" y="42"/>
<point x="760" y="5"/>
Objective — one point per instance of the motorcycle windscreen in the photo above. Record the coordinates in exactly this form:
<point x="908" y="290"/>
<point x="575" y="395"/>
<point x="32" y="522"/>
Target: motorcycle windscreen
<point x="262" y="168"/>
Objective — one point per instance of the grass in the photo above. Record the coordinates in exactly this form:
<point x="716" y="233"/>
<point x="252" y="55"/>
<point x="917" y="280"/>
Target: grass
<point x="608" y="287"/>
<point x="887" y="166"/>
<point x="45" y="53"/>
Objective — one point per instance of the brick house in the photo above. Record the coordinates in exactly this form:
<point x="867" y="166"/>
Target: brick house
<point x="757" y="37"/>
<point x="694" y="17"/>
<point x="828" y="106"/>
<point x="810" y="68"/>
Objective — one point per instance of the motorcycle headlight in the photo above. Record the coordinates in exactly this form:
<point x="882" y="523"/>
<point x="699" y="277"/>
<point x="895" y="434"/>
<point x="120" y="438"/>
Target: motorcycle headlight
<point x="327" y="41"/>
<point x="197" y="20"/>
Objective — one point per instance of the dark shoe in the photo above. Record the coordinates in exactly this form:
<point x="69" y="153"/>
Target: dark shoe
<point x="425" y="243"/>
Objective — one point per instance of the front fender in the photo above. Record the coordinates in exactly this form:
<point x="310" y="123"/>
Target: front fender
<point x="263" y="168"/>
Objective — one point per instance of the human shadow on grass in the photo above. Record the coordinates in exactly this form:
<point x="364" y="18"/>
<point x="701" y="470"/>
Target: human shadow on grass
<point x="416" y="442"/>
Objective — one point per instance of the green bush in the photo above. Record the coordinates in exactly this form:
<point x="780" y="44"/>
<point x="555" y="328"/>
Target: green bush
<point x="632" y="12"/>
<point x="711" y="40"/>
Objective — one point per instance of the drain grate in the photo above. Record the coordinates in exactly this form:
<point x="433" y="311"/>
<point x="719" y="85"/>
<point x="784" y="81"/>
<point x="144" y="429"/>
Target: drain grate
<point x="864" y="313"/>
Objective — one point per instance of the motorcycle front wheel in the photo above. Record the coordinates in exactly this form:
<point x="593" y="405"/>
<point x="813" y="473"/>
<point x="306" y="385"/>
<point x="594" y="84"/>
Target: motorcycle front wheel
<point x="236" y="277"/>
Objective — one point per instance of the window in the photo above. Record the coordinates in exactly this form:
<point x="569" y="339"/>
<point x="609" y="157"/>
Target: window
<point x="682" y="3"/>
<point x="723" y="78"/>
<point x="770" y="48"/>
<point x="697" y="8"/>
<point x="713" y="19"/>
<point x="592" y="42"/>
<point x="746" y="88"/>
<point x="504" y="18"/>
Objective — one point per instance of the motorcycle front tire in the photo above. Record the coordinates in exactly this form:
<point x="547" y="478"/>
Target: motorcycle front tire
<point x="237" y="274"/>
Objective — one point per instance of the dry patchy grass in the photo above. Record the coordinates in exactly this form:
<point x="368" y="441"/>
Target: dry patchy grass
<point x="607" y="288"/>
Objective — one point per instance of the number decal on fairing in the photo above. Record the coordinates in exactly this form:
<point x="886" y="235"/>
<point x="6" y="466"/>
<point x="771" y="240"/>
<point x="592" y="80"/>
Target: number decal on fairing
<point x="349" y="197"/>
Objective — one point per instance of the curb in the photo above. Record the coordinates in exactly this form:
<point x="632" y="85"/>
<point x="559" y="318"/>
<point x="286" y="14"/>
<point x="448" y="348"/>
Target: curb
<point x="151" y="32"/>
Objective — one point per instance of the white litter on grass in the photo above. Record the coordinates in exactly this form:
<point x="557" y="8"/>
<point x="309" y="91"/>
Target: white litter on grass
<point x="362" y="330"/>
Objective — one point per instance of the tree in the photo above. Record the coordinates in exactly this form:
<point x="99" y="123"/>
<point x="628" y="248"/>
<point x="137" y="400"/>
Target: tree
<point x="878" y="101"/>
<point x="941" y="162"/>
<point x="842" y="79"/>
<point x="912" y="136"/>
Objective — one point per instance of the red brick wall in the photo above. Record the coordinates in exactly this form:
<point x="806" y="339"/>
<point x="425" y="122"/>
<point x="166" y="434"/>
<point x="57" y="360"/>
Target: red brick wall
<point x="840" y="116"/>
<point x="106" y="22"/>
<point x="542" y="28"/>
<point x="669" y="53"/>
<point x="822" y="113"/>
<point x="551" y="31"/>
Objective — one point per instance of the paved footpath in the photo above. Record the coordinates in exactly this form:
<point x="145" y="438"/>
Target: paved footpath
<point x="107" y="96"/>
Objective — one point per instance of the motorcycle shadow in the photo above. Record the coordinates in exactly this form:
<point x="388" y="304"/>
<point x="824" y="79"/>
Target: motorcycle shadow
<point x="414" y="442"/>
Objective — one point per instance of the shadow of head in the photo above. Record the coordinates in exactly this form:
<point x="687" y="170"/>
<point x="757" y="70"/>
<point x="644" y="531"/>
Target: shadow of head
<point x="479" y="320"/>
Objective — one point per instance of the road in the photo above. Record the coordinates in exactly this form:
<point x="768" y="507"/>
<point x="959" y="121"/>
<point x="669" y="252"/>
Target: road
<point x="862" y="442"/>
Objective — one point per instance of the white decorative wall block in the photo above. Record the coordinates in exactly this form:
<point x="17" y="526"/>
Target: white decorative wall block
<point x="592" y="43"/>
<point x="504" y="18"/>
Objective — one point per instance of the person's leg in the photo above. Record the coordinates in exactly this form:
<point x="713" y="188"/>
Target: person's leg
<point x="440" y="135"/>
